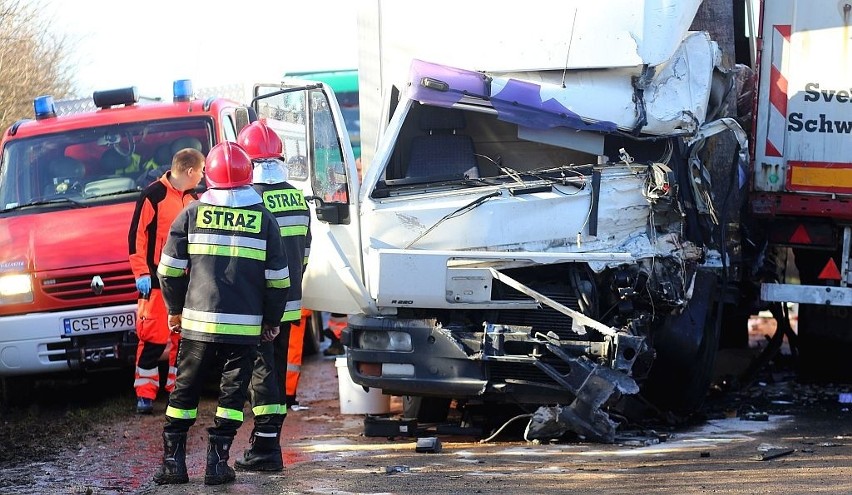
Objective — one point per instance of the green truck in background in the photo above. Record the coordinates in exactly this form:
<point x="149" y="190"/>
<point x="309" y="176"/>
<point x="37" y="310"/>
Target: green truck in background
<point x="345" y="85"/>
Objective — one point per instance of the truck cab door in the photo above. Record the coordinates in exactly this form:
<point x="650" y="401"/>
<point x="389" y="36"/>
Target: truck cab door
<point x="321" y="163"/>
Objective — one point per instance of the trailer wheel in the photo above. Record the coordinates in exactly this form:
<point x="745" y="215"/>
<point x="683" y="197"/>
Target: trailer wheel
<point x="823" y="344"/>
<point x="686" y="347"/>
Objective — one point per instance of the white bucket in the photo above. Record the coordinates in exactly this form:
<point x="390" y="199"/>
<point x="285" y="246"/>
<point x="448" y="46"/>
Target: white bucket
<point x="353" y="399"/>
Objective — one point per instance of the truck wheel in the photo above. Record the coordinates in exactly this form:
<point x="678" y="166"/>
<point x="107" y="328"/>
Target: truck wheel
<point x="313" y="334"/>
<point x="686" y="347"/>
<point x="426" y="409"/>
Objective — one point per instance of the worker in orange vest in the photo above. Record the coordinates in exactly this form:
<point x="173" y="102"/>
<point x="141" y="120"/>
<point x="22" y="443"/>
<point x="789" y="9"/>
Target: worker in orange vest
<point x="156" y="208"/>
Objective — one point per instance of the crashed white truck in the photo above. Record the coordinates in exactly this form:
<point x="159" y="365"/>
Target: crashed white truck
<point x="544" y="239"/>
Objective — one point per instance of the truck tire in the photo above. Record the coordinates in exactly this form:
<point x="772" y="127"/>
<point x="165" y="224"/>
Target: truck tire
<point x="313" y="334"/>
<point x="823" y="344"/>
<point x="686" y="347"/>
<point x="426" y="409"/>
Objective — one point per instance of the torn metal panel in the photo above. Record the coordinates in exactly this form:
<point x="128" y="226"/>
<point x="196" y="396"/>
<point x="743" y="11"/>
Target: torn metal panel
<point x="667" y="100"/>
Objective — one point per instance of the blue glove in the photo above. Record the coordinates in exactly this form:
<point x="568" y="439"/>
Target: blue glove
<point x="143" y="285"/>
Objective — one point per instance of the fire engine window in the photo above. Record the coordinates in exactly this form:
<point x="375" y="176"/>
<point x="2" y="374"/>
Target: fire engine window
<point x="95" y="164"/>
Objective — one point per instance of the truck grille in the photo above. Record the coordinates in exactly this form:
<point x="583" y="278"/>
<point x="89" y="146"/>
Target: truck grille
<point x="545" y="319"/>
<point x="501" y="372"/>
<point x="77" y="287"/>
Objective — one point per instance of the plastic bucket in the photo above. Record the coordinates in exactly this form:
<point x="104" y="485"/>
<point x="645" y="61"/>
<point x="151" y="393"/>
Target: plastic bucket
<point x="353" y="398"/>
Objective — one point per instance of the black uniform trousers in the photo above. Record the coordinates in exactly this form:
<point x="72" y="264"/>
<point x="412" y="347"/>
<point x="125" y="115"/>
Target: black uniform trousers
<point x="195" y="359"/>
<point x="270" y="371"/>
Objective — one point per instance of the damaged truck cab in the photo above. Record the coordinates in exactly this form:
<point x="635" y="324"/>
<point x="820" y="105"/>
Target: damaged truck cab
<point x="542" y="238"/>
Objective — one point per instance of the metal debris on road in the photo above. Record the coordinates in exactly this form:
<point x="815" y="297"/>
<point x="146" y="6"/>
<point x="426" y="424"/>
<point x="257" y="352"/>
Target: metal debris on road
<point x="773" y="454"/>
<point x="429" y="445"/>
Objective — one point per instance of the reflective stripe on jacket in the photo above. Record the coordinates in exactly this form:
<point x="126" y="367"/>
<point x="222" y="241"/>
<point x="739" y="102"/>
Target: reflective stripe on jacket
<point x="288" y="205"/>
<point x="224" y="270"/>
<point x="155" y="210"/>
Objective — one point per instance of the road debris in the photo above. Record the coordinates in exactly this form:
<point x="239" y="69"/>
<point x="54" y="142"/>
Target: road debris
<point x="429" y="445"/>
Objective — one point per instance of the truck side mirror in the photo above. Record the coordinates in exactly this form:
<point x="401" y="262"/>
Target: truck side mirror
<point x="333" y="213"/>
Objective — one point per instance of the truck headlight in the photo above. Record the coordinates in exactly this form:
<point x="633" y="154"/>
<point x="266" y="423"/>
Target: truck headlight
<point x="16" y="288"/>
<point x="384" y="341"/>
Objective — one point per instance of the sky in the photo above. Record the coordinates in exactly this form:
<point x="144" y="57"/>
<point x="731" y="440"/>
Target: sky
<point x="149" y="44"/>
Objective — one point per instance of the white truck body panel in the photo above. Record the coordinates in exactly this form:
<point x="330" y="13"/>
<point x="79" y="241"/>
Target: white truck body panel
<point x="804" y="115"/>
<point x="541" y="36"/>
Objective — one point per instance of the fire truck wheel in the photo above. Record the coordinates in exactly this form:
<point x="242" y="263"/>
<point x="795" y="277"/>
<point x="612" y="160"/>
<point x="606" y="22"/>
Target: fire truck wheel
<point x="15" y="389"/>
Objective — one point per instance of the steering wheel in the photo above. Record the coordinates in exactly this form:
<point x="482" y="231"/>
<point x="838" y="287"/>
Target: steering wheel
<point x="131" y="145"/>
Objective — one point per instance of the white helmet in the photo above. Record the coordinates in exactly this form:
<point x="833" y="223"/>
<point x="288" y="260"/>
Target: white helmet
<point x="269" y="171"/>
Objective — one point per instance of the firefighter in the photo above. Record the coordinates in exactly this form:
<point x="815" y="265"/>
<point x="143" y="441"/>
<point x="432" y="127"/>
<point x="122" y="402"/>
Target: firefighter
<point x="156" y="208"/>
<point x="274" y="364"/>
<point x="225" y="279"/>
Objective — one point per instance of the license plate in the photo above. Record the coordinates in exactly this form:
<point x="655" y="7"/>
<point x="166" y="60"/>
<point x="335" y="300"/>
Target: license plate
<point x="98" y="324"/>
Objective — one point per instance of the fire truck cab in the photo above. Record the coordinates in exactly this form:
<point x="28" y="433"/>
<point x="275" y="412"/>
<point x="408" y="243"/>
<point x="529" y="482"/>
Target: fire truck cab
<point x="69" y="179"/>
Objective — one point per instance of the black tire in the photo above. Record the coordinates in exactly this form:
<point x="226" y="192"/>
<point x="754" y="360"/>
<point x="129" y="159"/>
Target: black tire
<point x="823" y="345"/>
<point x="313" y="334"/>
<point x="16" y="390"/>
<point x="426" y="409"/>
<point x="686" y="347"/>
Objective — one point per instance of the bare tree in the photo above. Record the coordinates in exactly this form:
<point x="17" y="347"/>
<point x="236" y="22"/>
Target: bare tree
<point x="33" y="60"/>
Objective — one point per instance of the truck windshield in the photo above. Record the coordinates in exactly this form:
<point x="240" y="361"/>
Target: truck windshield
<point x="93" y="165"/>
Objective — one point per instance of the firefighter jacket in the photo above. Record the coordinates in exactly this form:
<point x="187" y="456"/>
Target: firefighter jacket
<point x="288" y="205"/>
<point x="156" y="208"/>
<point x="223" y="268"/>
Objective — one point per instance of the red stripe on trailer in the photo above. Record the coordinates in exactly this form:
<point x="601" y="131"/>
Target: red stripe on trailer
<point x="778" y="90"/>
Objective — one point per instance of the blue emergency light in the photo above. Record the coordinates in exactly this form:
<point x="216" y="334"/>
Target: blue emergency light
<point x="182" y="90"/>
<point x="44" y="107"/>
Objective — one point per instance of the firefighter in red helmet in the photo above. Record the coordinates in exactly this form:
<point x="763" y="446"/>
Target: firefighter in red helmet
<point x="277" y="362"/>
<point x="224" y="277"/>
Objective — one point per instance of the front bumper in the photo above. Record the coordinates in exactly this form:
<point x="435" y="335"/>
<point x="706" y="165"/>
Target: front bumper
<point x="441" y="367"/>
<point x="494" y="365"/>
<point x="34" y="343"/>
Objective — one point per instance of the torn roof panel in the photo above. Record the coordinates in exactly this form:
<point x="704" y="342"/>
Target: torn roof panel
<point x="672" y="101"/>
<point x="543" y="35"/>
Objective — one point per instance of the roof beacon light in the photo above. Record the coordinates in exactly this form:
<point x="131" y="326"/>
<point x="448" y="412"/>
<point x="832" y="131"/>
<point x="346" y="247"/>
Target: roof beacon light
<point x="113" y="97"/>
<point x="44" y="107"/>
<point x="182" y="89"/>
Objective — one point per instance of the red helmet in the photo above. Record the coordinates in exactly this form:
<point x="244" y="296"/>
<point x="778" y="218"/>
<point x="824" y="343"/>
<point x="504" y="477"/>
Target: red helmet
<point x="227" y="166"/>
<point x="260" y="141"/>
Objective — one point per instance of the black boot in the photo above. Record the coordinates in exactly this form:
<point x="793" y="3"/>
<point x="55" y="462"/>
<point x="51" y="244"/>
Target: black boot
<point x="173" y="469"/>
<point x="336" y="348"/>
<point x="218" y="471"/>
<point x="264" y="454"/>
